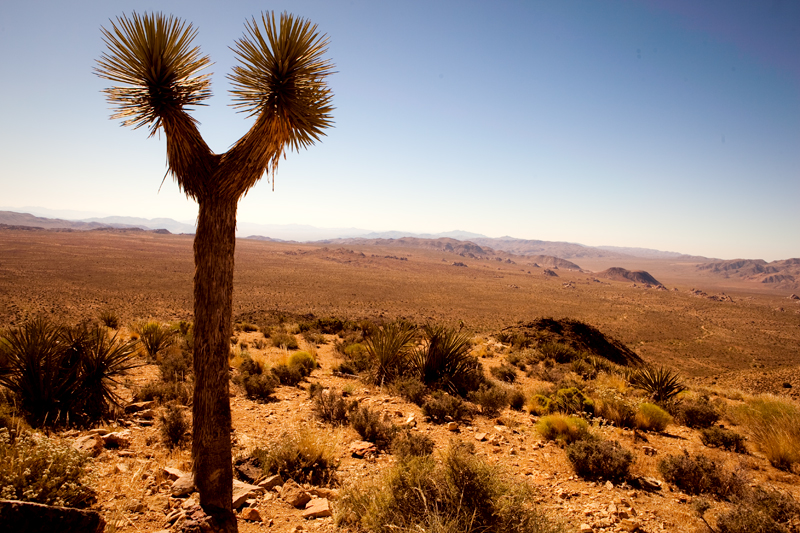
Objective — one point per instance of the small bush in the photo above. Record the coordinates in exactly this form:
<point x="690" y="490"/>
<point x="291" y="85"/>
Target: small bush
<point x="410" y="389"/>
<point x="34" y="468"/>
<point x="154" y="337"/>
<point x="109" y="318"/>
<point x="175" y="366"/>
<point x="571" y="401"/>
<point x="504" y="372"/>
<point x="408" y="444"/>
<point x="559" y="352"/>
<point x="760" y="511"/>
<point x="304" y="362"/>
<point x="444" y="361"/>
<point x="303" y="457"/>
<point x="284" y="340"/>
<point x="701" y="475"/>
<point x="175" y="428"/>
<point x="388" y="348"/>
<point x="516" y="398"/>
<point x="697" y="413"/>
<point x="491" y="399"/>
<point x="372" y="428"/>
<point x="538" y="404"/>
<point x="660" y="383"/>
<point x="331" y="407"/>
<point x="287" y="375"/>
<point x="442" y="407"/>
<point x="563" y="429"/>
<point x="314" y="338"/>
<point x="616" y="410"/>
<point x="258" y="386"/>
<point x="651" y="417"/>
<point x="600" y="459"/>
<point x="716" y="437"/>
<point x="165" y="392"/>
<point x="460" y="494"/>
<point x="247" y="327"/>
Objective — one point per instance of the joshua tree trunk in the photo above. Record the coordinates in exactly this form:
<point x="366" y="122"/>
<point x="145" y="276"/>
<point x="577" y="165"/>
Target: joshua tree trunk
<point x="213" y="296"/>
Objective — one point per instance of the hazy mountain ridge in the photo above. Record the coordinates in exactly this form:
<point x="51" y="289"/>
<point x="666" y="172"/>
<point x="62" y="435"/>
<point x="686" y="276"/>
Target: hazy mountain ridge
<point x="784" y="273"/>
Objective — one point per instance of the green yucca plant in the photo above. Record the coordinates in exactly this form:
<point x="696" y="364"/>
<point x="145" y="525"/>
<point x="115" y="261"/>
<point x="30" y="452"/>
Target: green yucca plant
<point x="660" y="383"/>
<point x="63" y="374"/>
<point x="444" y="361"/>
<point x="154" y="337"/>
<point x="388" y="347"/>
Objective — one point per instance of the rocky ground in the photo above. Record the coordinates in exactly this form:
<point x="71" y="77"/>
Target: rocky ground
<point x="142" y="486"/>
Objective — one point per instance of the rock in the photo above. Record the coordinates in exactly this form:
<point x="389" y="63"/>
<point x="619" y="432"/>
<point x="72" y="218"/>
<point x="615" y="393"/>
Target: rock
<point x="362" y="448"/>
<point x="183" y="485"/>
<point x="317" y="508"/>
<point x="271" y="482"/>
<point x="173" y="473"/>
<point x="121" y="468"/>
<point x="139" y="406"/>
<point x="249" y="469"/>
<point x="91" y="445"/>
<point x="647" y="483"/>
<point x="119" y="439"/>
<point x="411" y="422"/>
<point x="319" y="492"/>
<point x="251" y="514"/>
<point x="585" y="528"/>
<point x="135" y="506"/>
<point x="609" y="485"/>
<point x="294" y="494"/>
<point x="629" y="525"/>
<point x="452" y="426"/>
<point x="243" y="492"/>
<point x="37" y="518"/>
<point x="159" y="503"/>
<point x="649" y="450"/>
<point x="480" y="437"/>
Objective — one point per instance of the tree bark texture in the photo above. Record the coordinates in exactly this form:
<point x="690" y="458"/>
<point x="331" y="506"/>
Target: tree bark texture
<point x="214" y="245"/>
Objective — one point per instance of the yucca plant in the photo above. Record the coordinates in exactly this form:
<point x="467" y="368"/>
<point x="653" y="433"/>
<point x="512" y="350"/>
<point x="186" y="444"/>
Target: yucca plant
<point x="280" y="80"/>
<point x="444" y="361"/>
<point x="154" y="337"/>
<point x="660" y="383"/>
<point x="388" y="348"/>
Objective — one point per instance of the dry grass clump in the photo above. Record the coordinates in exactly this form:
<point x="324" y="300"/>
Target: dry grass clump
<point x="154" y="337"/>
<point x="284" y="340"/>
<point x="460" y="494"/>
<point x="175" y="428"/>
<point x="505" y="372"/>
<point x="774" y="427"/>
<point x="650" y="417"/>
<point x="109" y="318"/>
<point x="760" y="510"/>
<point x="407" y="444"/>
<point x="616" y="409"/>
<point x="305" y="457"/>
<point x="372" y="427"/>
<point x="599" y="459"/>
<point x="696" y="412"/>
<point x="330" y="406"/>
<point x="563" y="429"/>
<point x="442" y="407"/>
<point x="491" y="398"/>
<point x="34" y="468"/>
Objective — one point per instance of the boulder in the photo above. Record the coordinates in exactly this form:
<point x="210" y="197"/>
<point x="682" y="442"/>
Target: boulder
<point x="251" y="514"/>
<point x="271" y="482"/>
<point x="91" y="445"/>
<point x="243" y="492"/>
<point x="249" y="469"/>
<point x="317" y="508"/>
<point x="183" y="486"/>
<point x="294" y="494"/>
<point x="362" y="448"/>
<point x="37" y="518"/>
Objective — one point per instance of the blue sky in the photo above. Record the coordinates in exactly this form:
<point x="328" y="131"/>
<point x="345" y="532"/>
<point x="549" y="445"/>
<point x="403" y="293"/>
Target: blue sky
<point x="667" y="125"/>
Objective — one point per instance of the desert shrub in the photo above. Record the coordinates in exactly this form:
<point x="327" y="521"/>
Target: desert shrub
<point x="583" y="369"/>
<point x="516" y="398"/>
<point x="759" y="511"/>
<point x="717" y="437"/>
<point x="600" y="459"/>
<point x="247" y="327"/>
<point x="175" y="365"/>
<point x="558" y="352"/>
<point x="284" y="340"/>
<point x="388" y="348"/>
<point x="701" y="475"/>
<point x="504" y="372"/>
<point x="444" y="361"/>
<point x="257" y="384"/>
<point x="773" y="425"/>
<point x="330" y="406"/>
<point x="165" y="392"/>
<point x="661" y="384"/>
<point x="60" y="375"/>
<point x="563" y="429"/>
<point x="461" y="493"/>
<point x="304" y="362"/>
<point x="616" y="410"/>
<point x="314" y="338"/>
<point x="329" y="326"/>
<point x="305" y="457"/>
<point x="407" y="444"/>
<point x="650" y="417"/>
<point x="358" y="357"/>
<point x="287" y="375"/>
<point x="571" y="401"/>
<point x="174" y="427"/>
<point x="410" y="389"/>
<point x="491" y="399"/>
<point x="372" y="427"/>
<point x="250" y="365"/>
<point x="154" y="337"/>
<point x="601" y="364"/>
<point x="10" y="420"/>
<point x="442" y="407"/>
<point x="516" y="359"/>
<point x="109" y="318"/>
<point x="696" y="413"/>
<point x="34" y="468"/>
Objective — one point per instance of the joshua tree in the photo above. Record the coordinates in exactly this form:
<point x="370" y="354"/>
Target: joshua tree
<point x="280" y="80"/>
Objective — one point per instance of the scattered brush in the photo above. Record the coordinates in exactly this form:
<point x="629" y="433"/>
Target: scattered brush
<point x="372" y="427"/>
<point x="696" y="413"/>
<point x="717" y="437"/>
<point x="175" y="428"/>
<point x="557" y="351"/>
<point x="490" y="398"/>
<point x="330" y="406"/>
<point x="504" y="372"/>
<point x="773" y="425"/>
<point x="442" y="407"/>
<point x="650" y="417"/>
<point x="284" y="340"/>
<point x="407" y="444"/>
<point x="700" y="475"/>
<point x="600" y="459"/>
<point x="563" y="429"/>
<point x="305" y="457"/>
<point x="410" y="389"/>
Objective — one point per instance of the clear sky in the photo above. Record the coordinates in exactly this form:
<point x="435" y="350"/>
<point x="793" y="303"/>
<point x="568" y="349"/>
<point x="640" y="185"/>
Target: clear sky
<point x="672" y="125"/>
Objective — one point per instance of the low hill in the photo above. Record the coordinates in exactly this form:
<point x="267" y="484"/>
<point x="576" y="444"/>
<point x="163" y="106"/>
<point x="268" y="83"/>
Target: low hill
<point x="622" y="274"/>
<point x="783" y="274"/>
